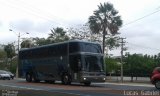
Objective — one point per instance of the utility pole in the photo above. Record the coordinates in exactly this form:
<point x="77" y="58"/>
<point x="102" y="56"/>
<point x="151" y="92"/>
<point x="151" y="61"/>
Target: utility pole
<point x="17" y="75"/>
<point x="19" y="35"/>
<point x="122" y="49"/>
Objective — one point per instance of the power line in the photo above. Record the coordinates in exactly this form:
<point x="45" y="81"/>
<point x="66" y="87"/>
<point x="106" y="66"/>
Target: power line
<point x="144" y="47"/>
<point x="31" y="11"/>
<point x="37" y="10"/>
<point x="48" y="16"/>
<point x="34" y="10"/>
<point x="141" y="18"/>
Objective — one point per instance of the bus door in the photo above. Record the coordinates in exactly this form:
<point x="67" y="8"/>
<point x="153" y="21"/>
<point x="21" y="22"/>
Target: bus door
<point x="76" y="66"/>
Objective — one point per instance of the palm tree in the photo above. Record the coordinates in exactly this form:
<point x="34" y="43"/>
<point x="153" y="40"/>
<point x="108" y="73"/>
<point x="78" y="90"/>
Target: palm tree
<point x="105" y="20"/>
<point x="58" y="35"/>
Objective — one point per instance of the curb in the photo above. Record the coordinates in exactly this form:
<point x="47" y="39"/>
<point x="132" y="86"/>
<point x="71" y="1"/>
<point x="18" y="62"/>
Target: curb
<point x="129" y="84"/>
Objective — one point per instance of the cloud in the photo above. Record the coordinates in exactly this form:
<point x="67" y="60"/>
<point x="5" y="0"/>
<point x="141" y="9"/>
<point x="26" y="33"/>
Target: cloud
<point x="0" y="23"/>
<point x="25" y="25"/>
<point x="22" y="25"/>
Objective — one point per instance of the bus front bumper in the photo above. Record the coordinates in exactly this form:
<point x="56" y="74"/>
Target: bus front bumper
<point x="93" y="79"/>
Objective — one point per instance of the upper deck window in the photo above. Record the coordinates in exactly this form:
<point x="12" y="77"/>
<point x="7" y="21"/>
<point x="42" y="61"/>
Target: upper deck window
<point x="84" y="47"/>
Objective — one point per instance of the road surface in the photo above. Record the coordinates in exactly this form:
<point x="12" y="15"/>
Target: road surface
<point x="19" y="87"/>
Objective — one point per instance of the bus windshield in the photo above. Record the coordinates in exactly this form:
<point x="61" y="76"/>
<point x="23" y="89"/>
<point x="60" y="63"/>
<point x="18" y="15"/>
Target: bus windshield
<point x="94" y="63"/>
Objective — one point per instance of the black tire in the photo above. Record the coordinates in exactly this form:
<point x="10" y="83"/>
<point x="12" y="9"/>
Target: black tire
<point x="157" y="84"/>
<point x="66" y="79"/>
<point x="87" y="83"/>
<point x="34" y="79"/>
<point x="29" y="77"/>
<point x="9" y="78"/>
<point x="50" y="81"/>
<point x="47" y="81"/>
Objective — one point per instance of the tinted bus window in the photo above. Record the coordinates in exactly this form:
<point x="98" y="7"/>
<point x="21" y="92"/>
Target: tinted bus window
<point x="90" y="47"/>
<point x="84" y="47"/>
<point x="74" y="47"/>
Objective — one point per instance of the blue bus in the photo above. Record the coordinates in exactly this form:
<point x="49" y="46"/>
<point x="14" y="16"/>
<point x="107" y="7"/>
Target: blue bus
<point x="70" y="61"/>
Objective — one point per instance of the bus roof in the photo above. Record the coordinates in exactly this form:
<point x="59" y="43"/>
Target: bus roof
<point x="58" y="44"/>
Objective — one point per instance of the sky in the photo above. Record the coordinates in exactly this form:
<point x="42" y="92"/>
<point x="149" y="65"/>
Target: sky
<point x="141" y="20"/>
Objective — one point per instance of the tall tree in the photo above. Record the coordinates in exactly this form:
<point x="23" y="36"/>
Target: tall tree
<point x="111" y="65"/>
<point x="41" y="41"/>
<point x="10" y="50"/>
<point x="105" y="20"/>
<point x="58" y="35"/>
<point x="2" y="54"/>
<point x="112" y="42"/>
<point x="84" y="33"/>
<point x="81" y="32"/>
<point x="27" y="44"/>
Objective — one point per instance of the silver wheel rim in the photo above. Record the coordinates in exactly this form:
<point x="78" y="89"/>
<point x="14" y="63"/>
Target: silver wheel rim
<point x="66" y="79"/>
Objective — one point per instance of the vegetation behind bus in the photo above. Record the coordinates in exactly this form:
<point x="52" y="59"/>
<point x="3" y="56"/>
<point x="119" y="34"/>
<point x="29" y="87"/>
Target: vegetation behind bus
<point x="135" y="65"/>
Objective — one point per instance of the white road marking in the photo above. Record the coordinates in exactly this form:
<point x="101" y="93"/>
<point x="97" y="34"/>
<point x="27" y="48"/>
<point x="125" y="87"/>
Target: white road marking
<point x="20" y="87"/>
<point x="39" y="89"/>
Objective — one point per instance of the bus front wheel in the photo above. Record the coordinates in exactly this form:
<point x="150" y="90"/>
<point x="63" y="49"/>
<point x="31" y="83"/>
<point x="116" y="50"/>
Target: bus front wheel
<point x="28" y="77"/>
<point x="50" y="81"/>
<point x="66" y="79"/>
<point x="87" y="83"/>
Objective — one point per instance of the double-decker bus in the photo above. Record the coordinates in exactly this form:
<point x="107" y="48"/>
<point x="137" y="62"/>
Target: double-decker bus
<point x="70" y="61"/>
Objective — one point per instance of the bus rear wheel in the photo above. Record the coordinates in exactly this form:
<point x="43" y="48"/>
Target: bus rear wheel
<point x="66" y="79"/>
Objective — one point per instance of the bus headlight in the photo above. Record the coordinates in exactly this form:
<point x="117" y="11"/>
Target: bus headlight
<point x="84" y="78"/>
<point x="104" y="79"/>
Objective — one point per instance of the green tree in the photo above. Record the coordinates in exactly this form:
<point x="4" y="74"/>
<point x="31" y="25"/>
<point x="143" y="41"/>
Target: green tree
<point x="111" y="65"/>
<point x="80" y="33"/>
<point x="133" y="65"/>
<point x="105" y="20"/>
<point x="58" y="35"/>
<point x="139" y="65"/>
<point x="42" y="41"/>
<point x="157" y="59"/>
<point x="27" y="44"/>
<point x="2" y="54"/>
<point x="10" y="51"/>
<point x="84" y="33"/>
<point x="2" y="58"/>
<point x="112" y="42"/>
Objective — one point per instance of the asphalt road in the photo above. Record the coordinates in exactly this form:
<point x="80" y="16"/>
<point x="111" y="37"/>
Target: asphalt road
<point x="20" y="87"/>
